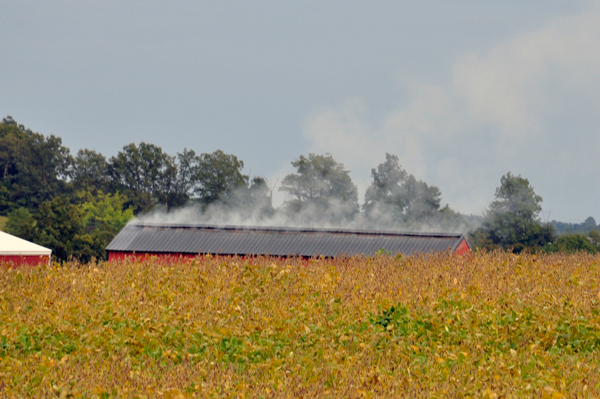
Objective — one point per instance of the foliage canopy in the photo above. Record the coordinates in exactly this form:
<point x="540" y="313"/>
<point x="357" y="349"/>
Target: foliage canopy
<point x="512" y="219"/>
<point x="321" y="184"/>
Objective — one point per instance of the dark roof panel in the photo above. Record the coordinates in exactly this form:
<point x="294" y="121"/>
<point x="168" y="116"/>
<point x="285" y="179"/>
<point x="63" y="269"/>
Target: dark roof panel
<point x="237" y="240"/>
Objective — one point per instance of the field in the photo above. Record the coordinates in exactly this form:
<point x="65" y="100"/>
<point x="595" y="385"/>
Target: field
<point x="491" y="325"/>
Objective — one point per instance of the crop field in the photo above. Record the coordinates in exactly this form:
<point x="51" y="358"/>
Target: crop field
<point x="488" y="325"/>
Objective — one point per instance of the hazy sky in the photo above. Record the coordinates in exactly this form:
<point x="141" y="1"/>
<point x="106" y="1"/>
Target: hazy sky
<point x="461" y="91"/>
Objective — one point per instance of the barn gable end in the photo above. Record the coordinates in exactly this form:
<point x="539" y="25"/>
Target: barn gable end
<point x="19" y="252"/>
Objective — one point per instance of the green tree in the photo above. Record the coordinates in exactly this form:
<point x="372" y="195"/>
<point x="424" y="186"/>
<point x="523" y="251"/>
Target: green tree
<point x="12" y="148"/>
<point x="563" y="228"/>
<point x="252" y="201"/>
<point x="103" y="216"/>
<point x="217" y="176"/>
<point x="109" y="208"/>
<point x="90" y="172"/>
<point x="397" y="197"/>
<point x="572" y="243"/>
<point x="322" y="185"/>
<point x="386" y="189"/>
<point x="35" y="168"/>
<point x="512" y="219"/>
<point x="260" y="196"/>
<point x="187" y="165"/>
<point x="60" y="227"/>
<point x="21" y="223"/>
<point x="422" y="202"/>
<point x="594" y="236"/>
<point x="145" y="174"/>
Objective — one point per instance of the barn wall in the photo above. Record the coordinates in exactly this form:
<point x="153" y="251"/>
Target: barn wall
<point x="24" y="260"/>
<point x="119" y="256"/>
<point x="462" y="248"/>
<point x="174" y="257"/>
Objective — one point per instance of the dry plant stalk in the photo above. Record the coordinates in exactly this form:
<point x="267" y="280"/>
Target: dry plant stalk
<point x="487" y="325"/>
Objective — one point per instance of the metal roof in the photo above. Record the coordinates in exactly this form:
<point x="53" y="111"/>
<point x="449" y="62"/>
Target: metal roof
<point x="276" y="241"/>
<point x="15" y="246"/>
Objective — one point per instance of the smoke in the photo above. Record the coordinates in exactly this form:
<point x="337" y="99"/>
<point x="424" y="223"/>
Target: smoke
<point x="499" y="108"/>
<point x="332" y="213"/>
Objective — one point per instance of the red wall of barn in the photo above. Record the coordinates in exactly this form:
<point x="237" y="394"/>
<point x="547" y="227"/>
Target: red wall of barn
<point x="18" y="260"/>
<point x="121" y="256"/>
<point x="170" y="257"/>
<point x="462" y="248"/>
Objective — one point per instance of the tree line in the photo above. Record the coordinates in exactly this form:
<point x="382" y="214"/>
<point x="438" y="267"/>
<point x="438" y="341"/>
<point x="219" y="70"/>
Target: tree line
<point x="76" y="204"/>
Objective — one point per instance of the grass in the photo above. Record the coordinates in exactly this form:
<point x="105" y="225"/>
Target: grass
<point x="490" y="325"/>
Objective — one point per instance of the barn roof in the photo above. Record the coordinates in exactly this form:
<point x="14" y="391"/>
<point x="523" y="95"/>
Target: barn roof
<point x="15" y="246"/>
<point x="276" y="241"/>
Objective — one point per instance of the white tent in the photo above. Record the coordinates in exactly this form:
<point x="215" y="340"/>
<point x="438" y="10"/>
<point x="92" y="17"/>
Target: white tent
<point x="20" y="251"/>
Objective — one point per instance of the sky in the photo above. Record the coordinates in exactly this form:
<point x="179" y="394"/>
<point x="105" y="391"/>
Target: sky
<point x="462" y="92"/>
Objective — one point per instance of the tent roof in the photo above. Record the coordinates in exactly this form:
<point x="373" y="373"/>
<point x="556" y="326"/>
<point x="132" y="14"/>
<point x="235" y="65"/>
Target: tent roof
<point x="277" y="241"/>
<point x="11" y="245"/>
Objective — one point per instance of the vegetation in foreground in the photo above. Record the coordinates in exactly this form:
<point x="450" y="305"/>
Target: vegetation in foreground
<point x="491" y="325"/>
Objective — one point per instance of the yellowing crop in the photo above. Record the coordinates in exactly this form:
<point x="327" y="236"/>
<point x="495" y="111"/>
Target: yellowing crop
<point x="489" y="325"/>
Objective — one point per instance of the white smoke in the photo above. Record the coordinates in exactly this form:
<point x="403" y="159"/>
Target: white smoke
<point x="339" y="214"/>
<point x="527" y="105"/>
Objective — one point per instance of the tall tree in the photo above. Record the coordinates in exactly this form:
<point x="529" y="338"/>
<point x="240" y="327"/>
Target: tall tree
<point x="396" y="197"/>
<point x="386" y="188"/>
<point x="21" y="223"/>
<point x="572" y="243"/>
<point x="90" y="172"/>
<point x="60" y="227"/>
<point x="12" y="148"/>
<point x="103" y="216"/>
<point x="187" y="165"/>
<point x="512" y="219"/>
<point x="145" y="173"/>
<point x="217" y="176"/>
<point x="252" y="201"/>
<point x="322" y="185"/>
<point x="35" y="168"/>
<point x="594" y="237"/>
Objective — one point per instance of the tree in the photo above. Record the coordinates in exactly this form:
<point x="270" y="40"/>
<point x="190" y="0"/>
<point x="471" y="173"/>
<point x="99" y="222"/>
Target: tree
<point x="217" y="176"/>
<point x="186" y="172"/>
<point x="563" y="228"/>
<point x="103" y="216"/>
<point x="145" y="174"/>
<point x="35" y="168"/>
<point x="512" y="219"/>
<point x="11" y="147"/>
<point x="321" y="185"/>
<point x="21" y="223"/>
<point x="396" y="197"/>
<point x="422" y="202"/>
<point x="259" y="195"/>
<point x="60" y="227"/>
<point x="90" y="172"/>
<point x="572" y="243"/>
<point x="101" y="208"/>
<point x="386" y="189"/>
<point x="253" y="201"/>
<point x="594" y="236"/>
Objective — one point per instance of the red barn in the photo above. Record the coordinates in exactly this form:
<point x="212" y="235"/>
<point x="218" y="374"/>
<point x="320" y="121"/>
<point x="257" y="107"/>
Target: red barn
<point x="19" y="252"/>
<point x="188" y="240"/>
